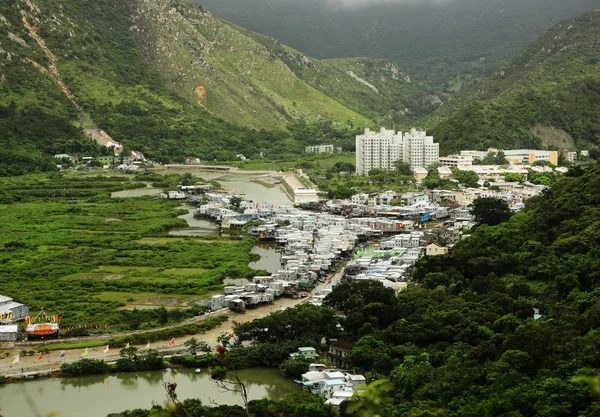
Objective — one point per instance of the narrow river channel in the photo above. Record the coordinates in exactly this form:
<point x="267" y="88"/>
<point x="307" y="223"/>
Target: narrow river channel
<point x="99" y="395"/>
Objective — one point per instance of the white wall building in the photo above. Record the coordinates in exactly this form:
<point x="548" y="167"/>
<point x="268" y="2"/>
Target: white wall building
<point x="305" y="195"/>
<point x="419" y="149"/>
<point x="380" y="150"/>
<point x="377" y="150"/>
<point x="322" y="149"/>
<point x="456" y="160"/>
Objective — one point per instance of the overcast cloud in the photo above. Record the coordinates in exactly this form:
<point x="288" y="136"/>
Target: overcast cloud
<point x="365" y="3"/>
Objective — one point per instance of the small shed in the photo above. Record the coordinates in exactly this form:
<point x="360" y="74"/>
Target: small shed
<point x="9" y="333"/>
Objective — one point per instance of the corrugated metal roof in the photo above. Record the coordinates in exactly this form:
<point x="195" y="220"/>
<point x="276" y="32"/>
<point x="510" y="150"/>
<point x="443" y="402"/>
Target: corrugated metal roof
<point x="7" y="307"/>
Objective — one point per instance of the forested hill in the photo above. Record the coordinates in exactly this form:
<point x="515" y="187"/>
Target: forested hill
<point x="439" y="41"/>
<point x="466" y="343"/>
<point x="547" y="96"/>
<point x="172" y="80"/>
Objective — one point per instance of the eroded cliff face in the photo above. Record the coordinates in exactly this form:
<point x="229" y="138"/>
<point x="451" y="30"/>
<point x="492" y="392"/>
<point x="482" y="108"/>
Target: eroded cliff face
<point x="223" y="69"/>
<point x="25" y="54"/>
<point x="103" y="53"/>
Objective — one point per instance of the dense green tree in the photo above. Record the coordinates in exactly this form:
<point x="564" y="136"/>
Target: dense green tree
<point x="490" y="211"/>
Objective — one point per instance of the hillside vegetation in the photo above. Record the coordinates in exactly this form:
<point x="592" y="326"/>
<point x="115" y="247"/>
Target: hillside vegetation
<point x="438" y="41"/>
<point x="163" y="77"/>
<point x="466" y="342"/>
<point x="377" y="88"/>
<point x="550" y="90"/>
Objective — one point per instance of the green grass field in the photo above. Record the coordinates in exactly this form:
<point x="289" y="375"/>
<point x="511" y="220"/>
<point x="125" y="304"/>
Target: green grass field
<point x="63" y="255"/>
<point x="323" y="161"/>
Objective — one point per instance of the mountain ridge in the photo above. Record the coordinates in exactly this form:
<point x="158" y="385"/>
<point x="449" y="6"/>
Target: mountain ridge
<point x="166" y="78"/>
<point x="554" y="83"/>
<point x="440" y="42"/>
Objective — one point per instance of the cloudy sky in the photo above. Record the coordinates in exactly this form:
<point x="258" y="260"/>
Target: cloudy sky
<point x="363" y="3"/>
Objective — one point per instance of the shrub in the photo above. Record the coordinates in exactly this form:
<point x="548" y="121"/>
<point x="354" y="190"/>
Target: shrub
<point x="86" y="367"/>
<point x="189" y="361"/>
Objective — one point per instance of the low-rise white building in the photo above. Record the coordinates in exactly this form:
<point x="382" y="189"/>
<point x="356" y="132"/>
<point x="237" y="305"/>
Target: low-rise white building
<point x="9" y="333"/>
<point x="360" y="198"/>
<point x="456" y="160"/>
<point x="305" y="195"/>
<point x="322" y="149"/>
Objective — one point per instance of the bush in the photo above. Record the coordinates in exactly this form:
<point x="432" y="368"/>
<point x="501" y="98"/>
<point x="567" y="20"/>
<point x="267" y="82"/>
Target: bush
<point x="295" y="367"/>
<point x="86" y="367"/>
<point x="189" y="361"/>
<point x="148" y="362"/>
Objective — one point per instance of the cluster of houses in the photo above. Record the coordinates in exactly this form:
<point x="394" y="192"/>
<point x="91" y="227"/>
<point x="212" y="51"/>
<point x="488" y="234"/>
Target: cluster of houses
<point x="332" y="383"/>
<point x="312" y="243"/>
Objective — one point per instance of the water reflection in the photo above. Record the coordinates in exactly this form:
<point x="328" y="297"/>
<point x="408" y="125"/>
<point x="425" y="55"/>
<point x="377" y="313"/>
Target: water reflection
<point x="196" y="227"/>
<point x="106" y="394"/>
<point x="270" y="258"/>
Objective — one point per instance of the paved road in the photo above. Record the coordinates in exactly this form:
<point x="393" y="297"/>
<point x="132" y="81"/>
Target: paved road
<point x="52" y="360"/>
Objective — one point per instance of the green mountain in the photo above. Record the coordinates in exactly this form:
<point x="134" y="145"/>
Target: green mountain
<point x="438" y="41"/>
<point x="169" y="79"/>
<point x="547" y="96"/>
<point x="377" y="88"/>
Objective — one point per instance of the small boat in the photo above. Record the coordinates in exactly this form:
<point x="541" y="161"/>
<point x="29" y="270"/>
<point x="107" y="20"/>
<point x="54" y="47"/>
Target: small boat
<point x="198" y="370"/>
<point x="297" y="381"/>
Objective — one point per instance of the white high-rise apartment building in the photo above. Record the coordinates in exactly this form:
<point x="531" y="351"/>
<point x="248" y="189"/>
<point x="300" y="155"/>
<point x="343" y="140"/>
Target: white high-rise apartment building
<point x="382" y="149"/>
<point x="419" y="149"/>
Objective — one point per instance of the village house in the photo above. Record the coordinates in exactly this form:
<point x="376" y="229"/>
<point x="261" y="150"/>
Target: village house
<point x="435" y="250"/>
<point x="409" y="199"/>
<point x="12" y="311"/>
<point x="9" y="333"/>
<point x="361" y="198"/>
<point x="338" y="353"/>
<point x="305" y="352"/>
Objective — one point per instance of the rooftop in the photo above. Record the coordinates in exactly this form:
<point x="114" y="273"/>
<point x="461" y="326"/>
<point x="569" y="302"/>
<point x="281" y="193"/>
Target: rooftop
<point x="342" y="345"/>
<point x="307" y="349"/>
<point x="334" y="382"/>
<point x="313" y="376"/>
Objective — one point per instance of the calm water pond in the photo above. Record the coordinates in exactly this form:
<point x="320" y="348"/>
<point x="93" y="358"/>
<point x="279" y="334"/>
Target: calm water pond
<point x="270" y="258"/>
<point x="136" y="192"/>
<point x="97" y="396"/>
<point x="235" y="183"/>
<point x="197" y="227"/>
<point x="240" y="183"/>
